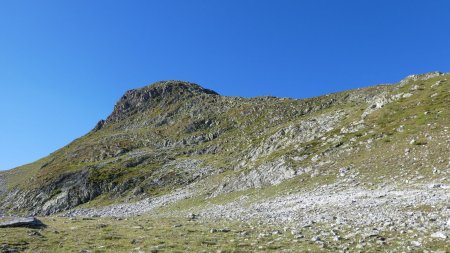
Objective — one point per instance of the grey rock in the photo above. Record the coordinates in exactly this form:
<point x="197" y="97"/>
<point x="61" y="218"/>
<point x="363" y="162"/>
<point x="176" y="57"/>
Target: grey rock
<point x="439" y="235"/>
<point x="416" y="243"/>
<point x="299" y="236"/>
<point x="135" y="241"/>
<point x="337" y="238"/>
<point x="435" y="186"/>
<point x="193" y="216"/>
<point x="276" y="232"/>
<point x="29" y="222"/>
<point x="316" y="239"/>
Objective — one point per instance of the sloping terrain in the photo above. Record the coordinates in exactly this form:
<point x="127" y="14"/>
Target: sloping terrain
<point x="369" y="165"/>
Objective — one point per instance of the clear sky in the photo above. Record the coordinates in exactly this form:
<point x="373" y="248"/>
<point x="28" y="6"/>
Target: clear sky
<point x="64" y="64"/>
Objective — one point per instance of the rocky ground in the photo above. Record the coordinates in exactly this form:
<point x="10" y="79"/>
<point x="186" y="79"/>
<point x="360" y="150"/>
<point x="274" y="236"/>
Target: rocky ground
<point x="389" y="207"/>
<point x="131" y="209"/>
<point x="333" y="216"/>
<point x="328" y="218"/>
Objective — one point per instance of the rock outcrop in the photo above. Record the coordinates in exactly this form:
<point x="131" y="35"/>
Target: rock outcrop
<point x="14" y="222"/>
<point x="160" y="94"/>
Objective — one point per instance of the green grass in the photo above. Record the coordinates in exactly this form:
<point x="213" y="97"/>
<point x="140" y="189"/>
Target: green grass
<point x="150" y="234"/>
<point x="145" y="234"/>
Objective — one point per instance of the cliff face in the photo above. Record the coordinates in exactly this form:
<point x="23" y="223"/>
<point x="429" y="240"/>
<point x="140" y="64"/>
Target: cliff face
<point x="176" y="136"/>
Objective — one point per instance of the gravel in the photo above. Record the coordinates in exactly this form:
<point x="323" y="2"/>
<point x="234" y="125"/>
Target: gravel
<point x="387" y="207"/>
<point x="383" y="209"/>
<point x="131" y="209"/>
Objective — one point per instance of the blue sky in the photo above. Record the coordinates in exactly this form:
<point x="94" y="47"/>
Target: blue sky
<point x="64" y="64"/>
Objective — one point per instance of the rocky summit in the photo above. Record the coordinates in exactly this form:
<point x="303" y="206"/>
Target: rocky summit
<point x="177" y="167"/>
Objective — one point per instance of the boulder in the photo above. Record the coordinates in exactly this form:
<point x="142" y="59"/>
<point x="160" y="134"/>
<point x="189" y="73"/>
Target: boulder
<point x="29" y="222"/>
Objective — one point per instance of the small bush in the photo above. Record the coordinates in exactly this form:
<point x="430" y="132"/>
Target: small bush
<point x="420" y="142"/>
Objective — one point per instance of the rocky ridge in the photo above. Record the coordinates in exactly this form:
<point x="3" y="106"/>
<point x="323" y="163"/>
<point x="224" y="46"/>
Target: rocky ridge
<point x="372" y="160"/>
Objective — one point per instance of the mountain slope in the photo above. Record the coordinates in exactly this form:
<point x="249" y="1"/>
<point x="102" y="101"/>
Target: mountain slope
<point x="176" y="140"/>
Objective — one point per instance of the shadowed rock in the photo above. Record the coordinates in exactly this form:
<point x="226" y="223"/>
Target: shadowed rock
<point x="29" y="222"/>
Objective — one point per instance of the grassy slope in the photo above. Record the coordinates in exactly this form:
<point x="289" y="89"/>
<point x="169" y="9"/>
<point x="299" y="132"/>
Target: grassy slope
<point x="147" y="234"/>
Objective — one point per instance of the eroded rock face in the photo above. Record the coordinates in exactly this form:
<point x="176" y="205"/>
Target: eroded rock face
<point x="297" y="134"/>
<point x="271" y="173"/>
<point x="66" y="192"/>
<point x="73" y="189"/>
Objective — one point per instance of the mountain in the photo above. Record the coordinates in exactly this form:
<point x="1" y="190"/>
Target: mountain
<point x="173" y="134"/>
<point x="375" y="160"/>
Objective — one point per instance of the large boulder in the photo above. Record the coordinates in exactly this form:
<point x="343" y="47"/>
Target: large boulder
<point x="29" y="222"/>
